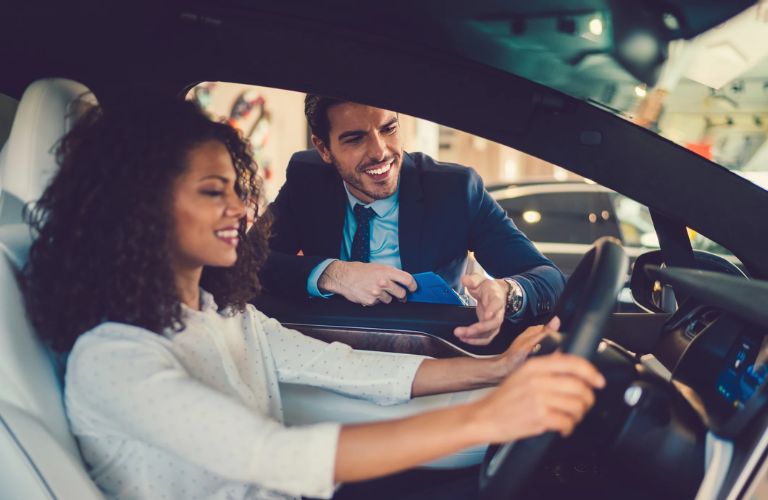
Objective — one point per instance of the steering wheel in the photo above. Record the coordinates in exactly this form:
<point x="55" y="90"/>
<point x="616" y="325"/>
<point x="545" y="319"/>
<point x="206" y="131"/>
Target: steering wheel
<point x="583" y="309"/>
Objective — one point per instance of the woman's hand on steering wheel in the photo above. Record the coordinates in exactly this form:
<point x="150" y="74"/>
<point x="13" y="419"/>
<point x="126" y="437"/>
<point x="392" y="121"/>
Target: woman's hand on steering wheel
<point x="524" y="343"/>
<point x="548" y="393"/>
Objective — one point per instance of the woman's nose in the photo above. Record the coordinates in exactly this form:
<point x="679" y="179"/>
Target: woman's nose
<point x="236" y="207"/>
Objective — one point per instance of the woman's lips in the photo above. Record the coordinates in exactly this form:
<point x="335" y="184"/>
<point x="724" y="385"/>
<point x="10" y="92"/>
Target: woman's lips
<point x="228" y="235"/>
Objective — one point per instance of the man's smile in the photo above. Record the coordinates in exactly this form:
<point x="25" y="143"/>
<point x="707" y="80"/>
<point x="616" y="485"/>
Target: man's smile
<point x="381" y="172"/>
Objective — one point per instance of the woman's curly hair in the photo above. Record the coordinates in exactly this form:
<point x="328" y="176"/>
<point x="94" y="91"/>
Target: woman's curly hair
<point x="104" y="225"/>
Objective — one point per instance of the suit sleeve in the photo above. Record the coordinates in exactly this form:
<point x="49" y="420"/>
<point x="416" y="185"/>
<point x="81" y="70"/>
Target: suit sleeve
<point x="504" y="251"/>
<point x="286" y="273"/>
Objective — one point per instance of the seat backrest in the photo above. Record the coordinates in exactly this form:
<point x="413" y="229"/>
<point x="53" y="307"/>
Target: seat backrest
<point x="34" y="466"/>
<point x="38" y="454"/>
<point x="39" y="457"/>
<point x="45" y="113"/>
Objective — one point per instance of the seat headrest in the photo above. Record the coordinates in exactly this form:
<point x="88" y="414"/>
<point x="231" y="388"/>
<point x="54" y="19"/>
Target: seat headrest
<point x="45" y="113"/>
<point x="15" y="240"/>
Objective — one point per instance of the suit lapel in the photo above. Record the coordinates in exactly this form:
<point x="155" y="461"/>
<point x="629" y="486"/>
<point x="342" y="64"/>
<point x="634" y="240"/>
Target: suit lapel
<point x="411" y="216"/>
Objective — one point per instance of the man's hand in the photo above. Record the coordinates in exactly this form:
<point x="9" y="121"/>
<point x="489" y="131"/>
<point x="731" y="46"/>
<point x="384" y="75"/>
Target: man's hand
<point x="365" y="283"/>
<point x="491" y="296"/>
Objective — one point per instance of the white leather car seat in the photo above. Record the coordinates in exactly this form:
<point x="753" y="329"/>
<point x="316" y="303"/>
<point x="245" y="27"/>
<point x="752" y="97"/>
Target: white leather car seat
<point x="39" y="457"/>
<point x="45" y="113"/>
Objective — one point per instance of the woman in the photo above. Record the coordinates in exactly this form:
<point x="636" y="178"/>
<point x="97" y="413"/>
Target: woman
<point x="142" y="269"/>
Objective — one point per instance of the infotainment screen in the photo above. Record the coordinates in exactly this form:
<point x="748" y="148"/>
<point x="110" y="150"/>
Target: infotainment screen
<point x="745" y="370"/>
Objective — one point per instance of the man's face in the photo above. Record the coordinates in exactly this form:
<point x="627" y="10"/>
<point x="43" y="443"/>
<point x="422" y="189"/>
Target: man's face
<point x="364" y="145"/>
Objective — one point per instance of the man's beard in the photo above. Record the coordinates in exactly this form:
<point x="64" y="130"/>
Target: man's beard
<point x="356" y="178"/>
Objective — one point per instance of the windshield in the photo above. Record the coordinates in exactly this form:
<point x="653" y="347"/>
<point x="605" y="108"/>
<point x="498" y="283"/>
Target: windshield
<point x="708" y="93"/>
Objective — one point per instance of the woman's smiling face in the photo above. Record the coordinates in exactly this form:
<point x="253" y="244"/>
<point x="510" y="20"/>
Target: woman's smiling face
<point x="207" y="211"/>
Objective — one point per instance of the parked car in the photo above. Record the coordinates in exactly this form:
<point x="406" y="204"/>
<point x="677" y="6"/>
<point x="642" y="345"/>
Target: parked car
<point x="564" y="219"/>
<point x="684" y="414"/>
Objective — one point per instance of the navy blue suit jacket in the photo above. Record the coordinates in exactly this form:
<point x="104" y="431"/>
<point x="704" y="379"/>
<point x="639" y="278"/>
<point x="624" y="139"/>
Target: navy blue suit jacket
<point x="444" y="211"/>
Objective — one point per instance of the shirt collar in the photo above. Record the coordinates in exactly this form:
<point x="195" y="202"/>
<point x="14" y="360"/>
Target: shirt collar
<point x="382" y="207"/>
<point x="207" y="304"/>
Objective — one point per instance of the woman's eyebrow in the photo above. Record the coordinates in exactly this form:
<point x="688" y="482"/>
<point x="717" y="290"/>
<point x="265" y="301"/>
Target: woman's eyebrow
<point x="222" y="178"/>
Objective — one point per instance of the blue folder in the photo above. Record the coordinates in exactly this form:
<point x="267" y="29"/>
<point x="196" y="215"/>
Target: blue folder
<point x="433" y="289"/>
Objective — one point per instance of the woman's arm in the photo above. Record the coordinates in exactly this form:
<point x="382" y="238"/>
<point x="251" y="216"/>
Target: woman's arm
<point x="550" y="393"/>
<point x="436" y="376"/>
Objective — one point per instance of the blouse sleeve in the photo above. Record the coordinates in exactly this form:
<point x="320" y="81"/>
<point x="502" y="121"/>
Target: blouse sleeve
<point x="377" y="376"/>
<point x="125" y="381"/>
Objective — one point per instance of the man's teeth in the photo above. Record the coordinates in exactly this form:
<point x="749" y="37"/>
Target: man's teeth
<point x="380" y="170"/>
<point x="227" y="233"/>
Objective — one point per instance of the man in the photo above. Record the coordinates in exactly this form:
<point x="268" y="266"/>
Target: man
<point x="365" y="215"/>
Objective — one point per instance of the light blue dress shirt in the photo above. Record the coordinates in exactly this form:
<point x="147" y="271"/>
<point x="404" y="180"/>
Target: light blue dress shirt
<point x="385" y="240"/>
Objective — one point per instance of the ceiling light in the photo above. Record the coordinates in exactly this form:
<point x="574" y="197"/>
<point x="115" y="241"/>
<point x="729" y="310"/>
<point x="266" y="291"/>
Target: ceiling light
<point x="596" y="26"/>
<point x="670" y="21"/>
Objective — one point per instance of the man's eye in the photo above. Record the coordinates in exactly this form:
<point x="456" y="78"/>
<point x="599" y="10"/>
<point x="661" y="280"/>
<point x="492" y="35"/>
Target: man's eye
<point x="353" y="140"/>
<point x="391" y="129"/>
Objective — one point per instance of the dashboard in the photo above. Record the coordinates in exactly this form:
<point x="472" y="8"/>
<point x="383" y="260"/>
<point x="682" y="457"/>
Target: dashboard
<point x="744" y="370"/>
<point x="715" y="345"/>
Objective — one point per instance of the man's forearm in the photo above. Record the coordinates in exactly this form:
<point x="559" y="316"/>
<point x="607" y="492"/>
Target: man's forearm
<point x="332" y="277"/>
<point x="436" y="376"/>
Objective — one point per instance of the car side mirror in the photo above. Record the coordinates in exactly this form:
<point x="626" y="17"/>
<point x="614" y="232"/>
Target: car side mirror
<point x="649" y="293"/>
<point x="653" y="296"/>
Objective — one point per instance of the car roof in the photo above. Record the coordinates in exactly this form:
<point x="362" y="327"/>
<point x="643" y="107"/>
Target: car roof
<point x="378" y="56"/>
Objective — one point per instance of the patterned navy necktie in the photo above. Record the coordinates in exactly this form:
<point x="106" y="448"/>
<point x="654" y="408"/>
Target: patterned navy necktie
<point x="361" y="243"/>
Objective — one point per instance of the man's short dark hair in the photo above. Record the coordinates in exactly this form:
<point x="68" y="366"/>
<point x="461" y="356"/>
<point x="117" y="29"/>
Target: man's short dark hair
<point x="316" y="109"/>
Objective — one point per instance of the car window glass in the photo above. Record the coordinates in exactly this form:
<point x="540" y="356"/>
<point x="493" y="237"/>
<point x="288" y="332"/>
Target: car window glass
<point x="273" y="120"/>
<point x="705" y="90"/>
<point x="565" y="209"/>
<point x="635" y="222"/>
<point x="561" y="217"/>
<point x="8" y="107"/>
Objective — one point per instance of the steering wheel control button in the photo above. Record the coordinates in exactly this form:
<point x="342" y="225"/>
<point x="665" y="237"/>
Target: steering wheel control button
<point x="633" y="394"/>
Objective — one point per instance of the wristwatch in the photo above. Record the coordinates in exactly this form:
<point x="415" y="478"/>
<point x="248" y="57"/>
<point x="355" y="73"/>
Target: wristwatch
<point x="514" y="296"/>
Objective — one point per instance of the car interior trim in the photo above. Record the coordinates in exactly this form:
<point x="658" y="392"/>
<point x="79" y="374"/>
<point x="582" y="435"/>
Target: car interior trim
<point x="383" y="340"/>
<point x="718" y="459"/>
<point x="745" y="298"/>
<point x="752" y="462"/>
